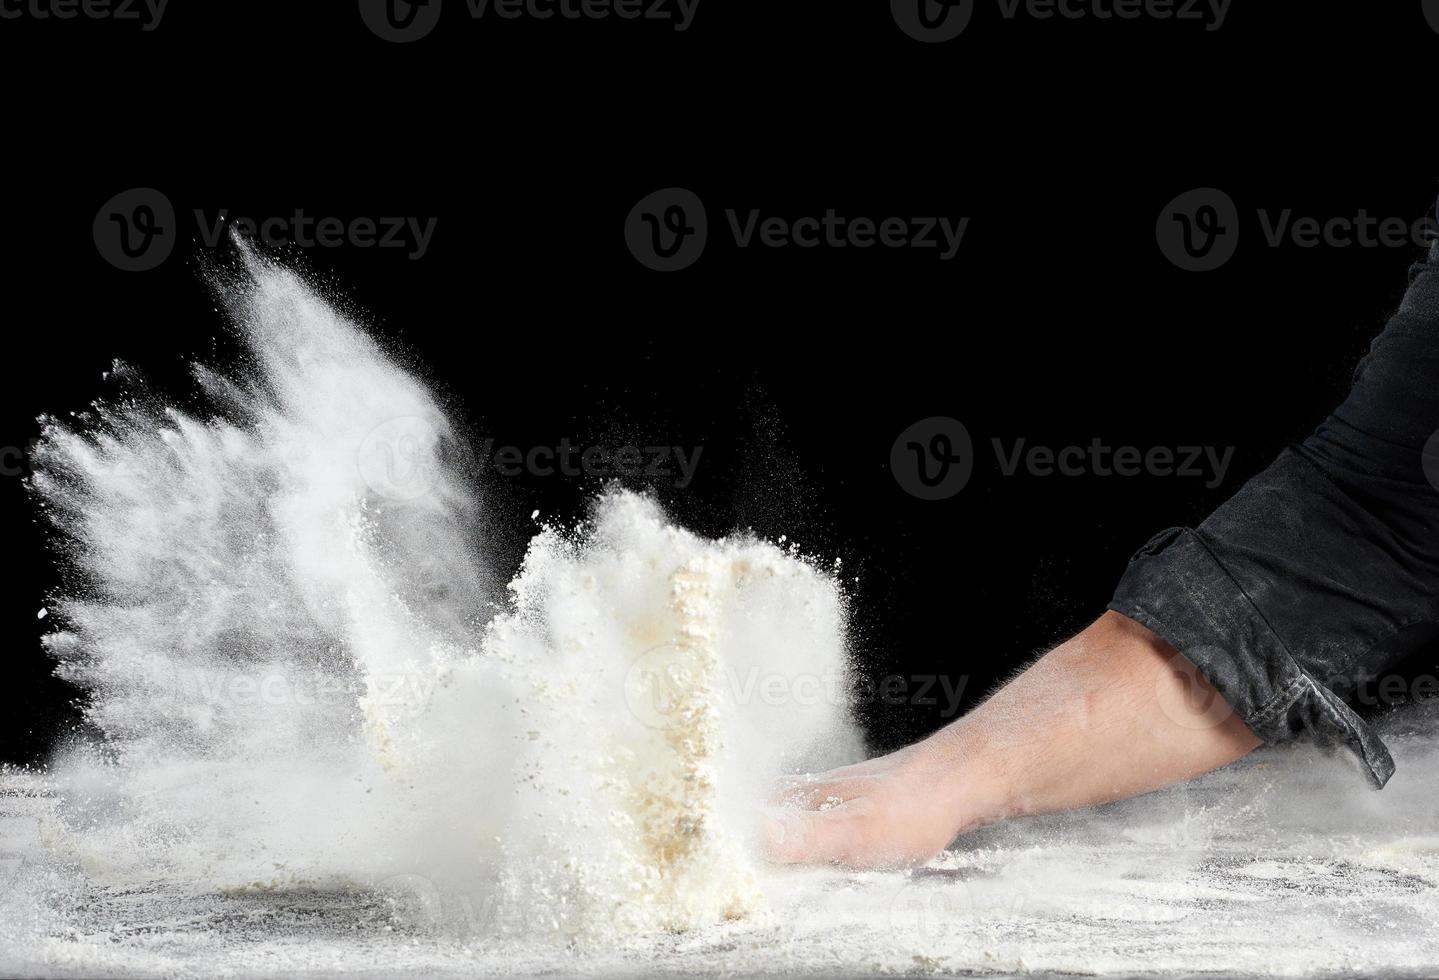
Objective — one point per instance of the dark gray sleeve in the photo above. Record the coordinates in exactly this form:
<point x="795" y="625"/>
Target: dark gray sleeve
<point x="1323" y="570"/>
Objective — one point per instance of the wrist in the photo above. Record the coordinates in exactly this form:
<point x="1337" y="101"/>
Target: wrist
<point x="961" y="763"/>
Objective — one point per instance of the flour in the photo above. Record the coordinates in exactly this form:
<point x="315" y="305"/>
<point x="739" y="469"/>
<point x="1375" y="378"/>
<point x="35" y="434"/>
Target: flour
<point x="331" y="739"/>
<point x="307" y="677"/>
<point x="646" y="762"/>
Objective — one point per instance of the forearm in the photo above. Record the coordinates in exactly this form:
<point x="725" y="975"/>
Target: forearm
<point x="1112" y="713"/>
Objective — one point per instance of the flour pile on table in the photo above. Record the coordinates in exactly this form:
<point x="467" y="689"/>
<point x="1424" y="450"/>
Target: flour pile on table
<point x="304" y="674"/>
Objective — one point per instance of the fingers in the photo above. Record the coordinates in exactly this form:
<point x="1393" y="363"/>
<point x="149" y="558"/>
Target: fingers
<point x="789" y="836"/>
<point x="811" y="791"/>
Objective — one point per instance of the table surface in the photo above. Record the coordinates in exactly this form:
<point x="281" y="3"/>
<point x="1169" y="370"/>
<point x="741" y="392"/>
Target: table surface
<point x="1285" y="864"/>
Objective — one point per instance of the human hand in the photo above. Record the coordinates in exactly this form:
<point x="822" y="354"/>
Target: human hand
<point x="896" y="810"/>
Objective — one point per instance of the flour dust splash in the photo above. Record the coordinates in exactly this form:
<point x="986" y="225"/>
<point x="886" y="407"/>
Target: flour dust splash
<point x="328" y="742"/>
<point x="304" y="676"/>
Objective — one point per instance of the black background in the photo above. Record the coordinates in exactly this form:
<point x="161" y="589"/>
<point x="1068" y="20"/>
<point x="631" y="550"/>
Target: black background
<point x="529" y="142"/>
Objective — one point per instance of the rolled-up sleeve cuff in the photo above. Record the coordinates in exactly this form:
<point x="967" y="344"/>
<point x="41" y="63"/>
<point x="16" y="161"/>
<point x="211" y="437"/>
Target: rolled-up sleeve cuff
<point x="1176" y="587"/>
